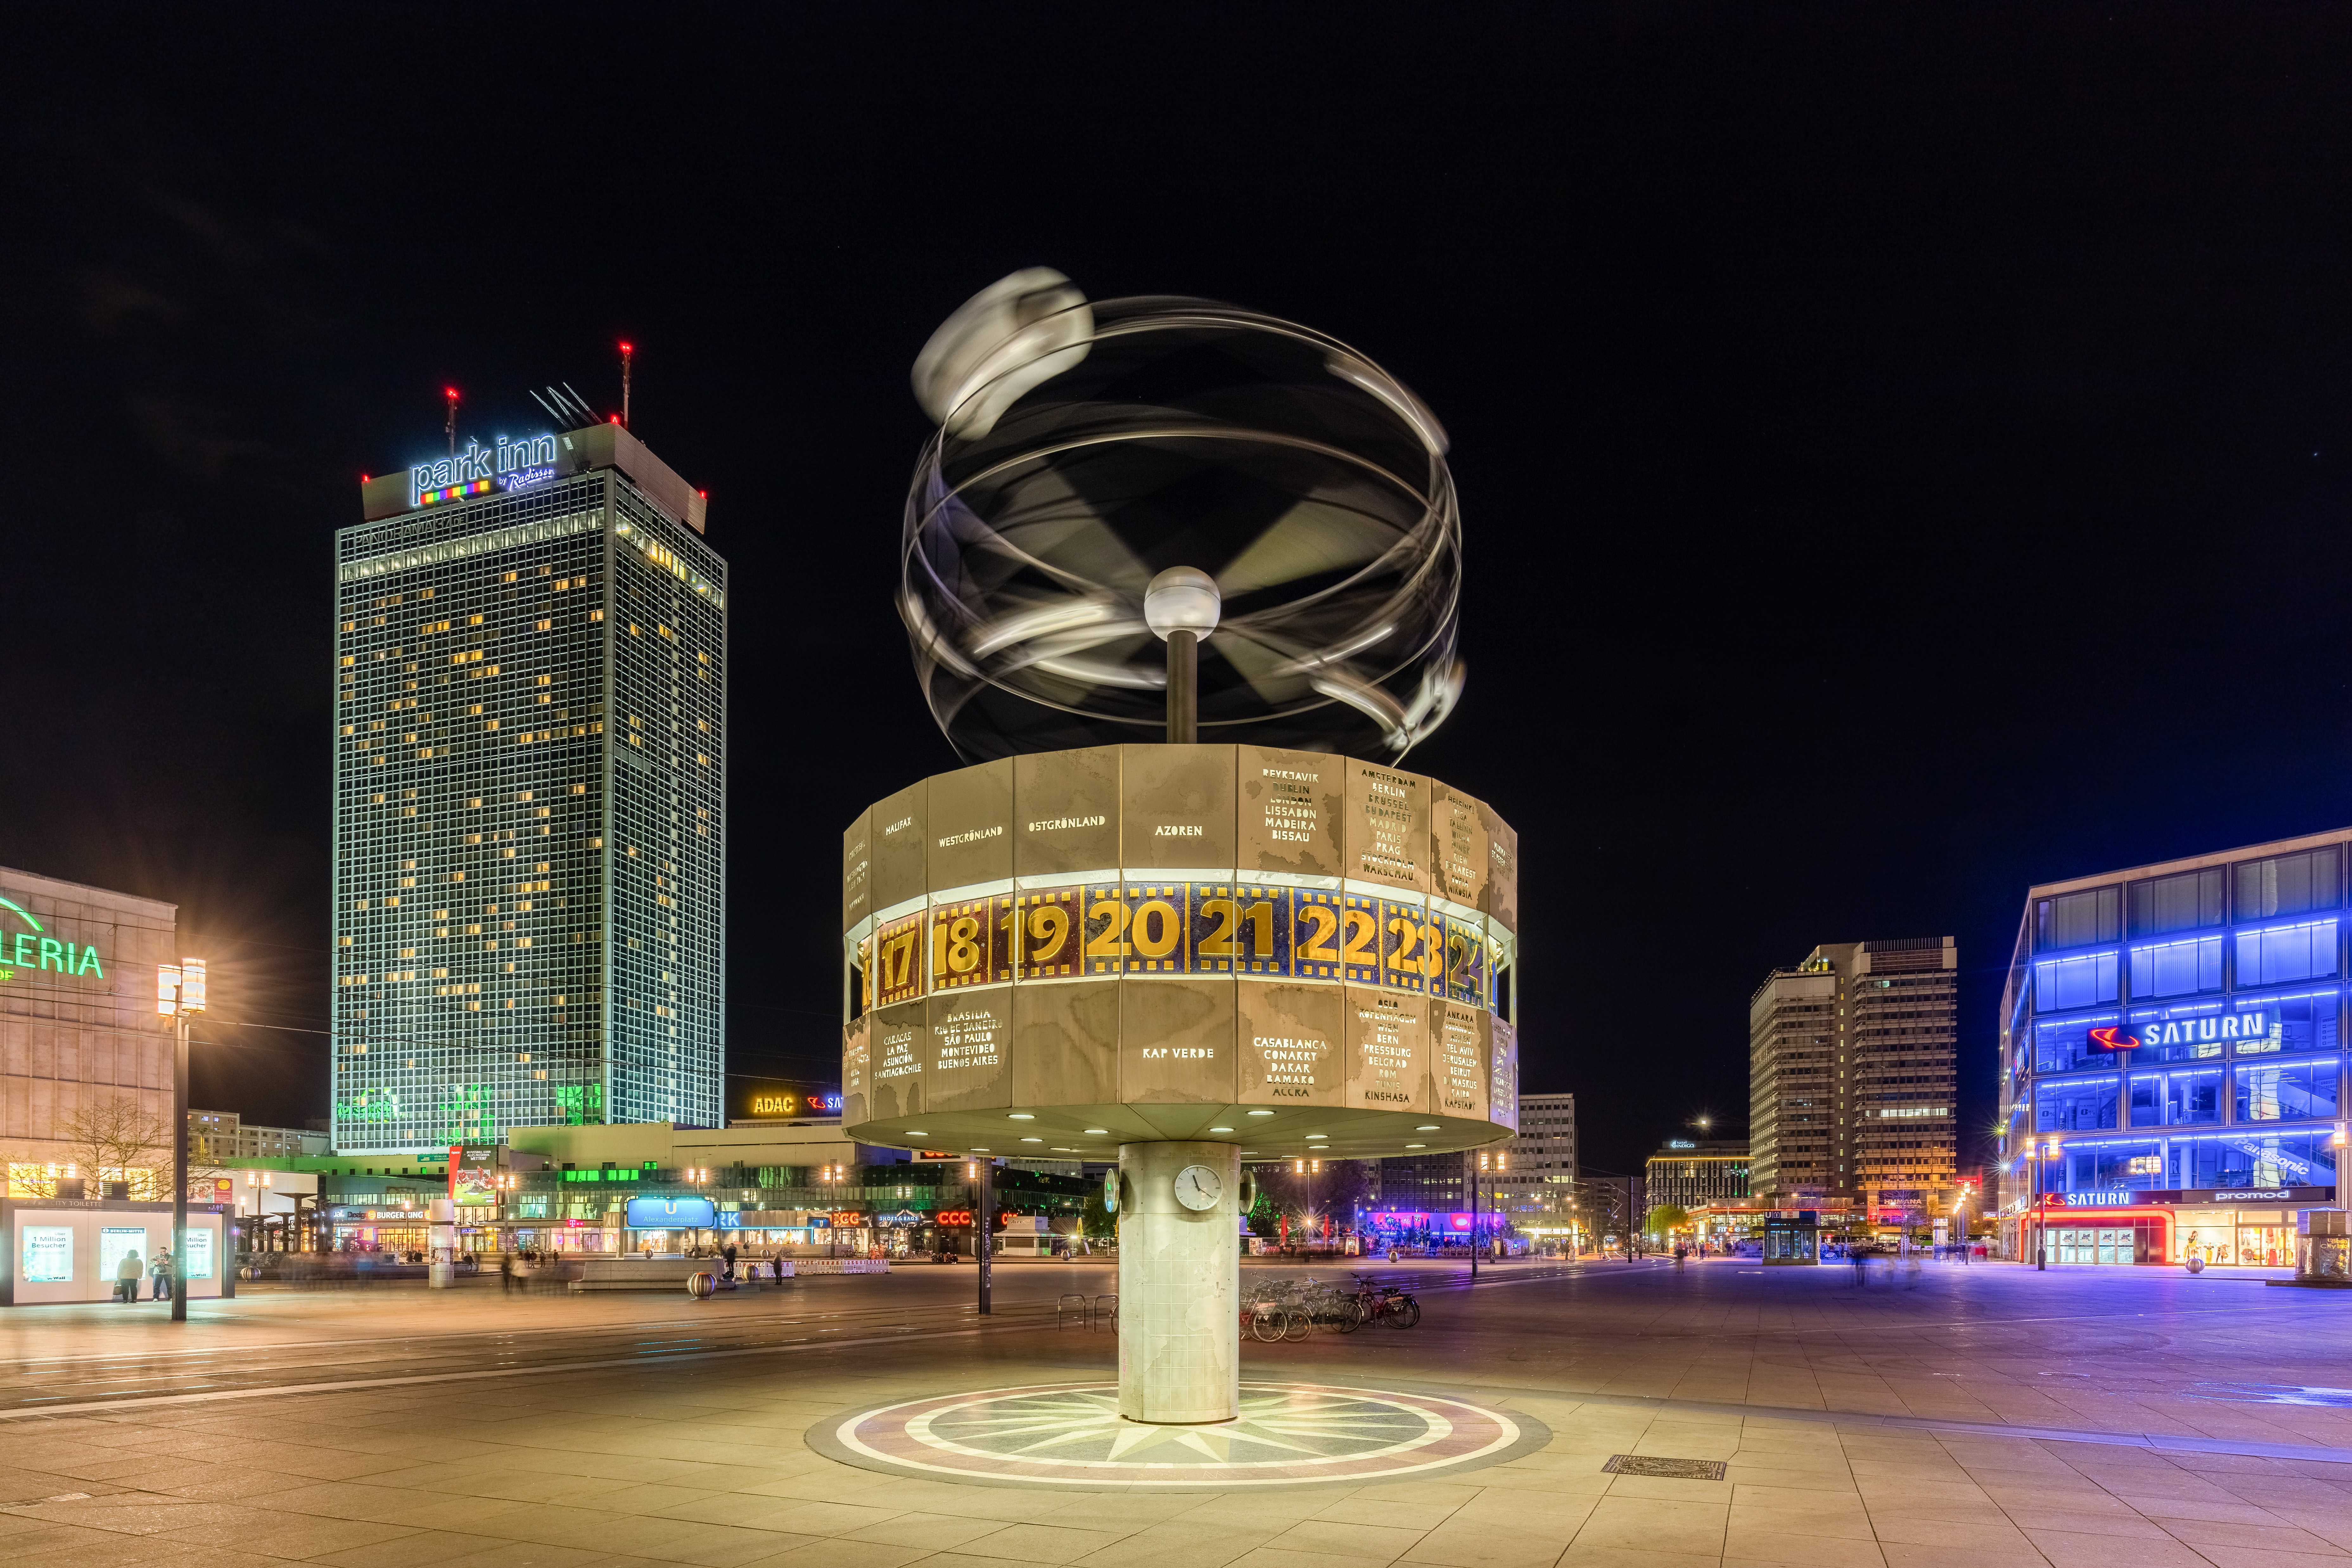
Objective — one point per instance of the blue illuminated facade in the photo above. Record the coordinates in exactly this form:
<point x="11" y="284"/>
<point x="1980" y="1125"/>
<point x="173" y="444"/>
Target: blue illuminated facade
<point x="2172" y="1057"/>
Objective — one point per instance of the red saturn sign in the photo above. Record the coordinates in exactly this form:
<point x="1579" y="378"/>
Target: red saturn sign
<point x="2109" y="1037"/>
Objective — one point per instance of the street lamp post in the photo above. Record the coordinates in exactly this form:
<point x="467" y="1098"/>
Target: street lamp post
<point x="2049" y="1151"/>
<point x="180" y="996"/>
<point x="981" y="1174"/>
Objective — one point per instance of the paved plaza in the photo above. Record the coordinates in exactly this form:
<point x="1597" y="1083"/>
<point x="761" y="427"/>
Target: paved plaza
<point x="1984" y="1415"/>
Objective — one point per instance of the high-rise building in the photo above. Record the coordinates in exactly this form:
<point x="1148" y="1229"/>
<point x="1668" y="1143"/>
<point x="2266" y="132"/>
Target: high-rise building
<point x="529" y="797"/>
<point x="1694" y="1172"/>
<point x="1537" y="1176"/>
<point x="1852" y="1075"/>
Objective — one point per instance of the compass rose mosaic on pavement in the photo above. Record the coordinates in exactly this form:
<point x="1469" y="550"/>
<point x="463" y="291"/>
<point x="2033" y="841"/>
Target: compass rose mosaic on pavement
<point x="1072" y="1435"/>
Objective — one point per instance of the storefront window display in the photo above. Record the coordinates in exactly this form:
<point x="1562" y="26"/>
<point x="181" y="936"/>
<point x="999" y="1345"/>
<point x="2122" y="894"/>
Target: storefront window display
<point x="2182" y="1098"/>
<point x="2059" y="983"/>
<point x="2252" y="1159"/>
<point x="2227" y="1240"/>
<point x="2305" y="950"/>
<point x="2274" y="1025"/>
<point x="2298" y="1091"/>
<point x="2064" y="1045"/>
<point x="2091" y="1244"/>
<point x="2176" y="968"/>
<point x="2076" y="1105"/>
<point x="2104" y="1167"/>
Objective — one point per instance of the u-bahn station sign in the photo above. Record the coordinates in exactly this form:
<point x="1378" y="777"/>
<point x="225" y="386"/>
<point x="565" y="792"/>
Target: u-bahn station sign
<point x="1293" y="951"/>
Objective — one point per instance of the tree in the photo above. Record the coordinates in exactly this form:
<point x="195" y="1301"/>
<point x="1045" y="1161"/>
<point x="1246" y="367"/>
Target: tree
<point x="1262" y="1221"/>
<point x="113" y="1139"/>
<point x="1665" y="1217"/>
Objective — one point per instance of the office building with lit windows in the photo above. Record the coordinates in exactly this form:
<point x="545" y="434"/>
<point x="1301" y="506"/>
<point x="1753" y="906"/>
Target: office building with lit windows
<point x="1852" y="1072"/>
<point x="2171" y="1060"/>
<point x="529" y="797"/>
<point x="1695" y="1173"/>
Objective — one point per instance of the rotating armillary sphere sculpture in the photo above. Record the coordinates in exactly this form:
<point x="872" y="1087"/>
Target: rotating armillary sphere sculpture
<point x="1085" y="449"/>
<point x="1154" y="518"/>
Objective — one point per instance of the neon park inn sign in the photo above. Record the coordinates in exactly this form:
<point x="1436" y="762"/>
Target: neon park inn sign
<point x="505" y="465"/>
<point x="23" y="944"/>
<point x="2254" y="1024"/>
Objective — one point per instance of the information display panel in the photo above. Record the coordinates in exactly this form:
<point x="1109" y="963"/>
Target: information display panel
<point x="1290" y="1046"/>
<point x="1458" y="846"/>
<point x="48" y="1255"/>
<point x="1158" y="939"/>
<point x="1388" y="1051"/>
<point x="970" y="815"/>
<point x="1315" y="933"/>
<point x="971" y="943"/>
<point x="856" y="1070"/>
<point x="1386" y="829"/>
<point x="1462" y="1038"/>
<point x="1503" y="1081"/>
<point x="896" y="964"/>
<point x="1051" y="930"/>
<point x="895" y="845"/>
<point x="1241" y="927"/>
<point x="901" y="1042"/>
<point x="854" y="869"/>
<point x="1465" y="961"/>
<point x="1176" y="1043"/>
<point x="1412" y="949"/>
<point x="1107" y="917"/>
<point x="1360" y="939"/>
<point x="1288" y="813"/>
<point x="969" y="1067"/>
<point x="117" y="1242"/>
<point x="200" y="1252"/>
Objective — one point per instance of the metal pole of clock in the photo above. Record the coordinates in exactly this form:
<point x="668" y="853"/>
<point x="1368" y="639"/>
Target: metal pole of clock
<point x="1182" y="606"/>
<point x="1478" y="1164"/>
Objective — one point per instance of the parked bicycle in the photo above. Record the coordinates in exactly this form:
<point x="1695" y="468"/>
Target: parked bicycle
<point x="1390" y="1304"/>
<point x="1292" y="1310"/>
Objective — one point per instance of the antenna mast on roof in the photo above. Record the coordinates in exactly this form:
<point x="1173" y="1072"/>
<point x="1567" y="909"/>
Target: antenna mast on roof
<point x="627" y="351"/>
<point x="450" y="428"/>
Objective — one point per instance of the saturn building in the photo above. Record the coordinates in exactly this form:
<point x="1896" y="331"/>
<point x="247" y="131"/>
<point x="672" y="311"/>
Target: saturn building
<point x="2171" y="1058"/>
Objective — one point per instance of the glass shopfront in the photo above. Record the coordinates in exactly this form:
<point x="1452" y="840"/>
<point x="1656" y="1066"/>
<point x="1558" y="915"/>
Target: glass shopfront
<point x="2091" y="1244"/>
<point x="2238" y="1238"/>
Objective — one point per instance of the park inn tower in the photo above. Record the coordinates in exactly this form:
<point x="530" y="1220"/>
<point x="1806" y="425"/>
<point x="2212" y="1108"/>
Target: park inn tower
<point x="531" y="793"/>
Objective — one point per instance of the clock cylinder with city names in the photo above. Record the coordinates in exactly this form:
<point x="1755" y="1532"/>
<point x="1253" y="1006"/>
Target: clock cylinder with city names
<point x="1295" y="951"/>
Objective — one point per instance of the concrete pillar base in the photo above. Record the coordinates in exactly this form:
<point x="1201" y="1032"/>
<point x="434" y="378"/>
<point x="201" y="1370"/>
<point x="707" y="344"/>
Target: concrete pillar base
<point x="1179" y="1287"/>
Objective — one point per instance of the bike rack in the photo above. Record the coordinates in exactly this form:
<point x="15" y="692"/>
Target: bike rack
<point x="1062" y="1309"/>
<point x="1097" y="1315"/>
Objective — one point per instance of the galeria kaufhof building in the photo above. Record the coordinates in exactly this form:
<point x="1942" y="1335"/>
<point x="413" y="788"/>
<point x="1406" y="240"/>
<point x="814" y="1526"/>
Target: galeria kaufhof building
<point x="2172" y="1071"/>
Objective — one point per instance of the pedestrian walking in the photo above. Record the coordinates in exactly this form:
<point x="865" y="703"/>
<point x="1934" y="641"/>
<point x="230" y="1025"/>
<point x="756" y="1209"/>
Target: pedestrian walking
<point x="506" y="1272"/>
<point x="161" y="1269"/>
<point x="1860" y="1263"/>
<point x="126" y="1276"/>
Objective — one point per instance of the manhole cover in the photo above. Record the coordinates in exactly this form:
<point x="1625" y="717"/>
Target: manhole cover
<point x="1680" y="1470"/>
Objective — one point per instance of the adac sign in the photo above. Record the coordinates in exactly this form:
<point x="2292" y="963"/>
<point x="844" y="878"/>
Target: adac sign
<point x="26" y="945"/>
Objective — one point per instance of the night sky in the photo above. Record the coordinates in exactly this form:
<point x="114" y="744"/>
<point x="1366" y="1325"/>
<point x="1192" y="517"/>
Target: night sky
<point x="1899" y="462"/>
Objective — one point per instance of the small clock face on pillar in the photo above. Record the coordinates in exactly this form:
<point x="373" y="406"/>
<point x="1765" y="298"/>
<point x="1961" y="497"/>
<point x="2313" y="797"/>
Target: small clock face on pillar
<point x="1198" y="1187"/>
